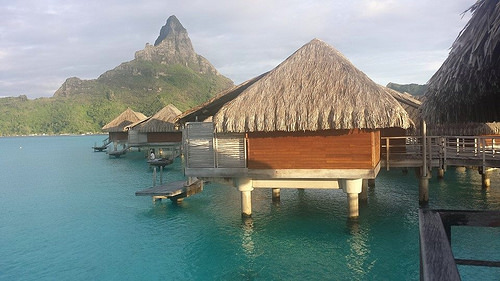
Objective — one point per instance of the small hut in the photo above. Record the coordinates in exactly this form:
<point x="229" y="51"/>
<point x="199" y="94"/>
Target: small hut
<point x="312" y="122"/>
<point x="158" y="133"/>
<point x="117" y="127"/>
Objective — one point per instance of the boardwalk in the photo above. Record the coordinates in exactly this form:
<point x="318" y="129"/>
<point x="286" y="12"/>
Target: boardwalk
<point x="174" y="191"/>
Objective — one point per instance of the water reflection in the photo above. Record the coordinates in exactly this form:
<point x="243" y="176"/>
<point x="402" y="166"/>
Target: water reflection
<point x="249" y="270"/>
<point x="359" y="250"/>
<point x="247" y="243"/>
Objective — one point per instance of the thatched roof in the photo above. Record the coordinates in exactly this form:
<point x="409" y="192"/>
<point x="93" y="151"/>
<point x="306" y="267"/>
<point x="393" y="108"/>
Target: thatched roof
<point x="124" y="119"/>
<point x="209" y="108"/>
<point x="464" y="129"/>
<point x="410" y="103"/>
<point x="316" y="88"/>
<point x="162" y="121"/>
<point x="466" y="87"/>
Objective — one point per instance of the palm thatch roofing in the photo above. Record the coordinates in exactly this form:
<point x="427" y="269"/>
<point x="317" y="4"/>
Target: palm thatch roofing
<point x="466" y="87"/>
<point x="464" y="129"/>
<point x="123" y="120"/>
<point x="207" y="109"/>
<point x="410" y="103"/>
<point x="316" y="88"/>
<point x="163" y="121"/>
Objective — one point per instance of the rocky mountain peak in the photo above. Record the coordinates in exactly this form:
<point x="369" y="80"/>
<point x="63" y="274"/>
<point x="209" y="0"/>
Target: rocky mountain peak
<point x="173" y="46"/>
<point x="173" y="28"/>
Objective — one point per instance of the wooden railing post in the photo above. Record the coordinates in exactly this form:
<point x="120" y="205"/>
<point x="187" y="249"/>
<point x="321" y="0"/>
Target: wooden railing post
<point x="387" y="153"/>
<point x="424" y="148"/>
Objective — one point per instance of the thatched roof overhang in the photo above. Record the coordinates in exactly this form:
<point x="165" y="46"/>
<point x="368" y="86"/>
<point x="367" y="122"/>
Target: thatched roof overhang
<point x="316" y="88"/>
<point x="411" y="105"/>
<point x="464" y="129"/>
<point x="163" y="121"/>
<point x="123" y="120"/>
<point x="210" y="107"/>
<point x="466" y="87"/>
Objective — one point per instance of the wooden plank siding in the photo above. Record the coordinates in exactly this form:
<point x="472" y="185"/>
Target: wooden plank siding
<point x="118" y="136"/>
<point x="329" y="149"/>
<point x="165" y="137"/>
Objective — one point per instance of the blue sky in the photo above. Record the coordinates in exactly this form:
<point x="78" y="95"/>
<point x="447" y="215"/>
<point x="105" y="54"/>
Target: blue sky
<point x="43" y="42"/>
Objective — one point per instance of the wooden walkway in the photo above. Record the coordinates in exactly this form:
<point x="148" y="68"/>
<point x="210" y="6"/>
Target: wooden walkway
<point x="118" y="153"/>
<point x="174" y="191"/>
<point x="101" y="148"/>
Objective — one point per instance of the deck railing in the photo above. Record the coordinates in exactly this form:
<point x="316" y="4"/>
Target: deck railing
<point x="441" y="151"/>
<point x="206" y="149"/>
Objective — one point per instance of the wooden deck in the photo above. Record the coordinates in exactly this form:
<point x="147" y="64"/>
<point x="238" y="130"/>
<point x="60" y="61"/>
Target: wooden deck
<point x="101" y="148"/>
<point x="118" y="153"/>
<point x="436" y="257"/>
<point x="174" y="191"/>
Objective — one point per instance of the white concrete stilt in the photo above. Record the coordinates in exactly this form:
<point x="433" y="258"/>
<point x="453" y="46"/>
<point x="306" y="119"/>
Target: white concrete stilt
<point x="352" y="187"/>
<point x="245" y="187"/>
<point x="485" y="177"/>
<point x="440" y="173"/>
<point x="353" y="205"/>
<point x="276" y="194"/>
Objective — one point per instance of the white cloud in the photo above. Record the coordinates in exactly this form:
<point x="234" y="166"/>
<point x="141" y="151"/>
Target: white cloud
<point x="51" y="40"/>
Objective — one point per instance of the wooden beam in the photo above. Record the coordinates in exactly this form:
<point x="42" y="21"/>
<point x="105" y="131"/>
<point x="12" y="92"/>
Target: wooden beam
<point x="310" y="184"/>
<point x="436" y="258"/>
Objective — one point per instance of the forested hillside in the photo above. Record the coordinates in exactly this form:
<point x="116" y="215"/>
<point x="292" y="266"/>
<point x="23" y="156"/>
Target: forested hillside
<point x="168" y="72"/>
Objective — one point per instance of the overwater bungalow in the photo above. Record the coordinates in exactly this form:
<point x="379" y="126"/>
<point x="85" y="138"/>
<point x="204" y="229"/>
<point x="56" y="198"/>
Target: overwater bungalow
<point x="118" y="134"/>
<point x="314" y="121"/>
<point x="158" y="133"/>
<point x="465" y="89"/>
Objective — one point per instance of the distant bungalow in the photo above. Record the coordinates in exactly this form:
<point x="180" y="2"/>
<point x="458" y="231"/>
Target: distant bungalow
<point x="118" y="134"/>
<point x="157" y="133"/>
<point x="314" y="121"/>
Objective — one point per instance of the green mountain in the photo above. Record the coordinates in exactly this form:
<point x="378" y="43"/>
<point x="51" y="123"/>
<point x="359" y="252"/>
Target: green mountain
<point x="413" y="89"/>
<point x="167" y="72"/>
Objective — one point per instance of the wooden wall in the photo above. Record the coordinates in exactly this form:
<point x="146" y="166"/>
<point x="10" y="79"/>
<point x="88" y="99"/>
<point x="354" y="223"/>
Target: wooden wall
<point x="165" y="137"/>
<point x="118" y="136"/>
<point x="330" y="149"/>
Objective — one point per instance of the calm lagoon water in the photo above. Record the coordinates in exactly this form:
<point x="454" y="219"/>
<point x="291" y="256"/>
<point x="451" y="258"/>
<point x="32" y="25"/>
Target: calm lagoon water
<point x="68" y="213"/>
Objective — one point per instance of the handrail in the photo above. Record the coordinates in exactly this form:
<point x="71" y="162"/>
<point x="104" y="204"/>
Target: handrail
<point x="441" y="149"/>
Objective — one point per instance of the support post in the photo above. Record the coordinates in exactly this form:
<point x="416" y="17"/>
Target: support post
<point x="387" y="151"/>
<point x="161" y="175"/>
<point x="363" y="196"/>
<point x="423" y="189"/>
<point x="423" y="128"/>
<point x="154" y="176"/>
<point x="276" y="194"/>
<point x="371" y="183"/>
<point x="440" y="173"/>
<point x="352" y="187"/>
<point x="245" y="187"/>
<point x="485" y="178"/>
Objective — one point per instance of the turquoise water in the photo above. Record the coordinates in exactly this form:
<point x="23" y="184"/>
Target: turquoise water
<point x="67" y="213"/>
